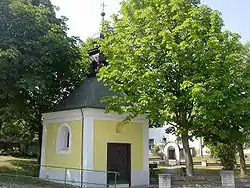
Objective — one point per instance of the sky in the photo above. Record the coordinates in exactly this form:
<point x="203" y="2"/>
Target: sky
<point x="84" y="15"/>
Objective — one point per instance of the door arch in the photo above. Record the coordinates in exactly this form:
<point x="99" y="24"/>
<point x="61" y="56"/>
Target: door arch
<point x="172" y="152"/>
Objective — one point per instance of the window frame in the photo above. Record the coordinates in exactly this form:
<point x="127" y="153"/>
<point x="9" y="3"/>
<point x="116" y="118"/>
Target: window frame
<point x="61" y="141"/>
<point x="171" y="150"/>
<point x="151" y="144"/>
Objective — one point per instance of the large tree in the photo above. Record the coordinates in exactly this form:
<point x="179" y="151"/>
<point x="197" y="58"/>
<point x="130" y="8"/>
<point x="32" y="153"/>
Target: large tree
<point x="161" y="54"/>
<point x="223" y="106"/>
<point x="39" y="63"/>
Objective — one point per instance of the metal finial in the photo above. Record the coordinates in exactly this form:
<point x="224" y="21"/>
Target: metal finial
<point x="103" y="12"/>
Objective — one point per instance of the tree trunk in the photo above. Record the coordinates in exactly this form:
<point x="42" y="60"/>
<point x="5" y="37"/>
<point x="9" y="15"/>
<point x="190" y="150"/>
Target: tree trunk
<point x="201" y="147"/>
<point x="242" y="160"/>
<point x="26" y="148"/>
<point x="187" y="153"/>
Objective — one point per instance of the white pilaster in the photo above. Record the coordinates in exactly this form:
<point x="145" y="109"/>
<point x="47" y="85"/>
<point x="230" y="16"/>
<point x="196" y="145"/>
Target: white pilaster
<point x="146" y="153"/>
<point x="42" y="160"/>
<point x="88" y="149"/>
<point x="88" y="143"/>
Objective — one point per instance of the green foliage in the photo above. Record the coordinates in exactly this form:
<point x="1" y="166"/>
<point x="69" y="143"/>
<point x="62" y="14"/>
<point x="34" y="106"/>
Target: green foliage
<point x="162" y="54"/>
<point x="19" y="131"/>
<point x="224" y="114"/>
<point x="156" y="150"/>
<point x="247" y="51"/>
<point x="223" y="110"/>
<point x="173" y="62"/>
<point x="39" y="63"/>
<point x="226" y="153"/>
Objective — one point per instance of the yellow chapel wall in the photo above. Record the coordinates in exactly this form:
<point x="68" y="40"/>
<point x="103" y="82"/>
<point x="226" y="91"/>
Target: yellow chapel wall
<point x="70" y="160"/>
<point x="105" y="132"/>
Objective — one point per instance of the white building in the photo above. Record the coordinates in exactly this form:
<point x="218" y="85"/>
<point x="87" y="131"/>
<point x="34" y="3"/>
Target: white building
<point x="172" y="147"/>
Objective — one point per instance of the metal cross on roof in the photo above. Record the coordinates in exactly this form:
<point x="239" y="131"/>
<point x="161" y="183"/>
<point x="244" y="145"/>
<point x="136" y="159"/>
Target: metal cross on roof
<point x="103" y="12"/>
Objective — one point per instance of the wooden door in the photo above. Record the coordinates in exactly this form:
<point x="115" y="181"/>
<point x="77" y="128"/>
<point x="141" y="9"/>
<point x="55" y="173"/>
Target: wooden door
<point x="119" y="160"/>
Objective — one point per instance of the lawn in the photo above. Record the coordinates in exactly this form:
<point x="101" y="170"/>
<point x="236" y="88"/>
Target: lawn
<point x="207" y="171"/>
<point x="19" y="166"/>
<point x="207" y="158"/>
<point x="20" y="172"/>
<point x="24" y="172"/>
<point x="199" y="171"/>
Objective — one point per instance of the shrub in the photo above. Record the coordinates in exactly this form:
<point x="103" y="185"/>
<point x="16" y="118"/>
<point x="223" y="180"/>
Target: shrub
<point x="156" y="150"/>
<point x="226" y="153"/>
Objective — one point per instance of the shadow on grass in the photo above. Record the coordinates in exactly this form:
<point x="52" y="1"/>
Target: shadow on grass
<point x="215" y="171"/>
<point x="154" y="174"/>
<point x="237" y="174"/>
<point x="34" y="182"/>
<point x="23" y="173"/>
<point x="30" y="168"/>
<point x="20" y="167"/>
<point x="206" y="172"/>
<point x="23" y="178"/>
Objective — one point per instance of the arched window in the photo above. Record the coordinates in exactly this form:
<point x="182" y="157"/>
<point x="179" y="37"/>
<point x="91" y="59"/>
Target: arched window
<point x="171" y="153"/>
<point x="64" y="139"/>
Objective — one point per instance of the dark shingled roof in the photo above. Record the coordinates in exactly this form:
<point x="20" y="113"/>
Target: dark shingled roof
<point x="88" y="95"/>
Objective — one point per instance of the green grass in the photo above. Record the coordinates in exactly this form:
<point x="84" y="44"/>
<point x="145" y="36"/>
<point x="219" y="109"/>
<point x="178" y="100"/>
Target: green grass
<point x="29" y="182"/>
<point x="207" y="158"/>
<point x="199" y="171"/>
<point x="216" y="169"/>
<point x="207" y="171"/>
<point x="214" y="160"/>
<point x="19" y="166"/>
<point x="24" y="172"/>
<point x="154" y="175"/>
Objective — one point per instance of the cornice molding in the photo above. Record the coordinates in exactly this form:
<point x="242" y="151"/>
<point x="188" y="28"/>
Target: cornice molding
<point x="97" y="114"/>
